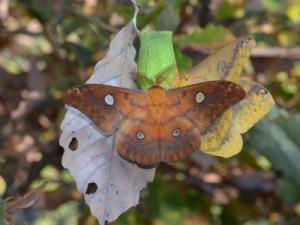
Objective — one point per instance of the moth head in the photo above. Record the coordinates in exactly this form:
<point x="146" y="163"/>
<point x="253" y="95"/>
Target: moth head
<point x="73" y="94"/>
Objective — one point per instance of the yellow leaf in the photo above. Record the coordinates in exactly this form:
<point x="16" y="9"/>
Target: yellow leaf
<point x="2" y="186"/>
<point x="293" y="12"/>
<point x="224" y="64"/>
<point x="213" y="136"/>
<point x="223" y="138"/>
<point x="257" y="103"/>
<point x="231" y="144"/>
<point x="246" y="113"/>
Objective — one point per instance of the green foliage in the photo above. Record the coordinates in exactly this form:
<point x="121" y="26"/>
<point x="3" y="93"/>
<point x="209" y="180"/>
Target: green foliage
<point x="210" y="35"/>
<point x="184" y="62"/>
<point x="277" y="139"/>
<point x="156" y="63"/>
<point x="2" y="214"/>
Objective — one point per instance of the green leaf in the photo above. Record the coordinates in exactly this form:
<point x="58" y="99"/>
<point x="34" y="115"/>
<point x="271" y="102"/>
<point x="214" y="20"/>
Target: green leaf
<point x="288" y="191"/>
<point x="173" y="19"/>
<point x="273" y="142"/>
<point x="211" y="34"/>
<point x="42" y="11"/>
<point x="184" y="62"/>
<point x="141" y="3"/>
<point x="78" y="53"/>
<point x="69" y="25"/>
<point x="292" y="127"/>
<point x="156" y="59"/>
<point x="274" y="6"/>
<point x="2" y="213"/>
<point x="225" y="10"/>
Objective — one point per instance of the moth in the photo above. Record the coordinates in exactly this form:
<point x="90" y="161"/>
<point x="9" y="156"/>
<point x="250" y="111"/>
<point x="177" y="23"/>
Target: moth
<point x="156" y="125"/>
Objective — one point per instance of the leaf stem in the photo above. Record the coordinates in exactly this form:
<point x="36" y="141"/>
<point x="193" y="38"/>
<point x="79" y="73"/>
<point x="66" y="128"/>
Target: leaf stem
<point x="136" y="11"/>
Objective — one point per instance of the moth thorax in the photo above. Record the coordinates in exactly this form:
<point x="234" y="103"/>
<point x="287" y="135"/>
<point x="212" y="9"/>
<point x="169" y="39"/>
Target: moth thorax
<point x="156" y="100"/>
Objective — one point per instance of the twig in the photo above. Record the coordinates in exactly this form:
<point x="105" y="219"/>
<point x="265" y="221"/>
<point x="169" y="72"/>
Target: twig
<point x="204" y="13"/>
<point x="35" y="94"/>
<point x="100" y="23"/>
<point x="276" y="52"/>
<point x="269" y="52"/>
<point x="23" y="30"/>
<point x="95" y="20"/>
<point x="290" y="103"/>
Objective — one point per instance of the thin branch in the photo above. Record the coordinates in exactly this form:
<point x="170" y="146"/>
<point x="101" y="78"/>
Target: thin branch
<point x="276" y="52"/>
<point x="23" y="30"/>
<point x="290" y="103"/>
<point x="94" y="20"/>
<point x="268" y="52"/>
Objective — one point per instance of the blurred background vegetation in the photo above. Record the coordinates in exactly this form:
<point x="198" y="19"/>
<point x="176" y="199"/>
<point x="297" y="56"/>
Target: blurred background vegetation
<point x="47" y="46"/>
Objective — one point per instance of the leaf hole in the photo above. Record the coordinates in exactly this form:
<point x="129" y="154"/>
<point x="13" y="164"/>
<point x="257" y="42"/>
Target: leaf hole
<point x="73" y="144"/>
<point x="221" y="66"/>
<point x="92" y="188"/>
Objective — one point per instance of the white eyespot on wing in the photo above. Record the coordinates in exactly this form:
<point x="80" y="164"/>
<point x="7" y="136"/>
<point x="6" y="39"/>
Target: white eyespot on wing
<point x="109" y="99"/>
<point x="176" y="132"/>
<point x="200" y="97"/>
<point x="140" y="135"/>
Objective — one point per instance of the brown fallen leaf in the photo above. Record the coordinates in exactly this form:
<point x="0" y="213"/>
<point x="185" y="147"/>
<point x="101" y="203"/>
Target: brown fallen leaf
<point x="110" y="184"/>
